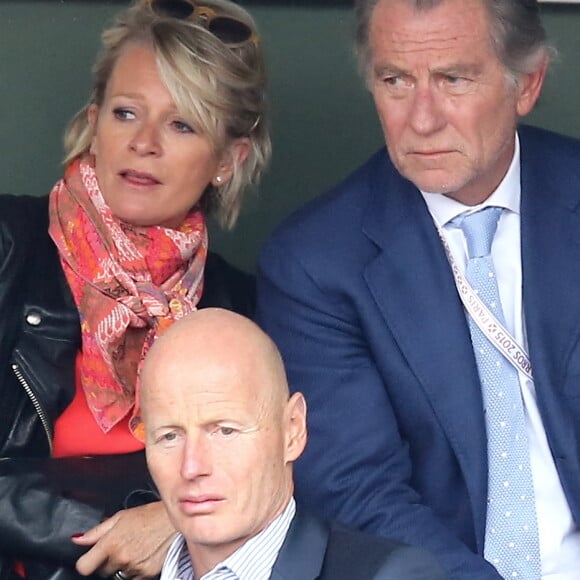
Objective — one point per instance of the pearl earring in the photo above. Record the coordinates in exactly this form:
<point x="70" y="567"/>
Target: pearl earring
<point x="219" y="178"/>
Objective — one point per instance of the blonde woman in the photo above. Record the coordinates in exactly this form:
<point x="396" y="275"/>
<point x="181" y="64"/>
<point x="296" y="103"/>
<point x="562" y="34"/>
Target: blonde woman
<point x="174" y="131"/>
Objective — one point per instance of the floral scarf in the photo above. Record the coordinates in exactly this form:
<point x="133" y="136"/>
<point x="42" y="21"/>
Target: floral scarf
<point x="129" y="284"/>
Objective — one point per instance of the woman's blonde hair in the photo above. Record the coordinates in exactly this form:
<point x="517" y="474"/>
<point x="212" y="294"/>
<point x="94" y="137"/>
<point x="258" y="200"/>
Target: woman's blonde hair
<point x="219" y="89"/>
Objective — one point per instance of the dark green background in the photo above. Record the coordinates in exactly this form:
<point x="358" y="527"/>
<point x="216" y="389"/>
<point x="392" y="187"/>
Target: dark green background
<point x="323" y="123"/>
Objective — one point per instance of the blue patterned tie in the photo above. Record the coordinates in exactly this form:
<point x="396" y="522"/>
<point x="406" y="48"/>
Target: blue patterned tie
<point x="511" y="535"/>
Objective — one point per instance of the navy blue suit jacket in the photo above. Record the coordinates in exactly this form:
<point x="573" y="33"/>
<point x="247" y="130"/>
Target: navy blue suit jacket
<point x="357" y="292"/>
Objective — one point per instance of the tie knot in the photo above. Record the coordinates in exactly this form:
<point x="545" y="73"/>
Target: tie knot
<point x="479" y="229"/>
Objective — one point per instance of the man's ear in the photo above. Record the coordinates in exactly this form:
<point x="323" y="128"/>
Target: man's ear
<point x="295" y="422"/>
<point x="235" y="154"/>
<point x="530" y="86"/>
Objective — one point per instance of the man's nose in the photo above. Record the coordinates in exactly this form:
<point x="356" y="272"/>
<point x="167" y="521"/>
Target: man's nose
<point x="426" y="115"/>
<point x="196" y="461"/>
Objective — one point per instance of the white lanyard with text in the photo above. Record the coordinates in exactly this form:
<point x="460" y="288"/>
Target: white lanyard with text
<point x="493" y="329"/>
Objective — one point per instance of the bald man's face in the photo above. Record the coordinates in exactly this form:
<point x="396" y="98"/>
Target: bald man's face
<point x="219" y="446"/>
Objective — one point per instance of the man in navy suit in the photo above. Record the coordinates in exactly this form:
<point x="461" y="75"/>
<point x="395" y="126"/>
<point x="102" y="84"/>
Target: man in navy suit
<point x="222" y="433"/>
<point x="359" y="293"/>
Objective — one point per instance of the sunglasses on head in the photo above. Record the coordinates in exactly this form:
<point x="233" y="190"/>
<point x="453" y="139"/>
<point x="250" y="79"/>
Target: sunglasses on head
<point x="229" y="30"/>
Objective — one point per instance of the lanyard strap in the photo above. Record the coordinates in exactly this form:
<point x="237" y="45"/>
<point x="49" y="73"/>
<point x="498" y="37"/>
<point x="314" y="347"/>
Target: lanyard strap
<point x="493" y="329"/>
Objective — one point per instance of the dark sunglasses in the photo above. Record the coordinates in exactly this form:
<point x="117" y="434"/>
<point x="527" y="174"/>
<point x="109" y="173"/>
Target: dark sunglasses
<point x="231" y="31"/>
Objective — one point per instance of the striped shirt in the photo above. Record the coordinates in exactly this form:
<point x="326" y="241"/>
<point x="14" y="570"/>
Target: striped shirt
<point x="252" y="561"/>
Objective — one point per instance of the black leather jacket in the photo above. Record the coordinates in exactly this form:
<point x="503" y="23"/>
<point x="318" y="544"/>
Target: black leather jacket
<point x="44" y="501"/>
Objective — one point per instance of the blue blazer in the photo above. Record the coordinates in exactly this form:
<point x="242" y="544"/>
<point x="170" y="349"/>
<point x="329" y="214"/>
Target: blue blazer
<point x="357" y="292"/>
<point x="314" y="550"/>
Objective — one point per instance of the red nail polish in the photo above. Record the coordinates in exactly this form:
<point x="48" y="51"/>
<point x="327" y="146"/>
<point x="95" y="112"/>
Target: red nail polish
<point x="79" y="535"/>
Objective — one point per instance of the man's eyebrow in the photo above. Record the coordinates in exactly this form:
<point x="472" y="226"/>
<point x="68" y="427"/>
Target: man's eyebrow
<point x="387" y="69"/>
<point x="162" y="426"/>
<point x="459" y="69"/>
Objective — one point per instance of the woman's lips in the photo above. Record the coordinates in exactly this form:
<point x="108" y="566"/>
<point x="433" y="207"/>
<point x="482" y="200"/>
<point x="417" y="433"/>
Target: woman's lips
<point x="138" y="178"/>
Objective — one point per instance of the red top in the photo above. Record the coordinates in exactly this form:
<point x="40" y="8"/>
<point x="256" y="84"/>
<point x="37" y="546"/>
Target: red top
<point x="87" y="438"/>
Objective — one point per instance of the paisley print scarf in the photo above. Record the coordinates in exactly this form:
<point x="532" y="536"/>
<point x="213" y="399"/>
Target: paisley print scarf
<point x="129" y="284"/>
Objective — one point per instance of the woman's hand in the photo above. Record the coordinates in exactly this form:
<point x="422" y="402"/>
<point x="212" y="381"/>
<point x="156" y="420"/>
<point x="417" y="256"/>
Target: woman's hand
<point x="134" y="541"/>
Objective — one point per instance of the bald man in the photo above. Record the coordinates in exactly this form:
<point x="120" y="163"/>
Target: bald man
<point x="222" y="434"/>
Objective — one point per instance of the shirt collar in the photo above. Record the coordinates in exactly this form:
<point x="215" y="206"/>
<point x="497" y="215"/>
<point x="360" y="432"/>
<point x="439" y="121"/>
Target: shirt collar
<point x="255" y="558"/>
<point x="507" y="195"/>
<point x="177" y="564"/>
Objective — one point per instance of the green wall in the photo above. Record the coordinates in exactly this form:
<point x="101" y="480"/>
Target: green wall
<point x="323" y="123"/>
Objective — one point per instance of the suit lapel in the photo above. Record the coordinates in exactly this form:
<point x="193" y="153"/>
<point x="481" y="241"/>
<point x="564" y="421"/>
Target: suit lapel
<point x="303" y="550"/>
<point x="413" y="287"/>
<point x="551" y="273"/>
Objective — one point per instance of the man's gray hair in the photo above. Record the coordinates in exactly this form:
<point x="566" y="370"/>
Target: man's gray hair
<point x="517" y="33"/>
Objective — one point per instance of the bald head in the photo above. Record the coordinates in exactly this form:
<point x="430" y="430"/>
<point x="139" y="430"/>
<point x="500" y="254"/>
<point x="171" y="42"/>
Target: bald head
<point x="223" y="343"/>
